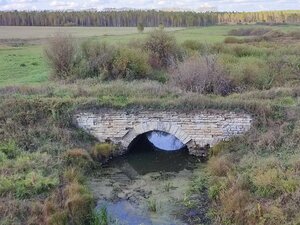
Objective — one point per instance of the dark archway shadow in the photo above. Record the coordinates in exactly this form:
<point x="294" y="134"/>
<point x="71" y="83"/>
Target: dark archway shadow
<point x="144" y="157"/>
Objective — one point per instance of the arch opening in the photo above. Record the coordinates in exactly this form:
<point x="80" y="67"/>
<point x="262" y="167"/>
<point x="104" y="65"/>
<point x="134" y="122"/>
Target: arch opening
<point x="158" y="141"/>
<point x="157" y="151"/>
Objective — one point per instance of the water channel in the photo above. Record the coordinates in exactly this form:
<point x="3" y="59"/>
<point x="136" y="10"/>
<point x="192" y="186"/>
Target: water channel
<point x="148" y="184"/>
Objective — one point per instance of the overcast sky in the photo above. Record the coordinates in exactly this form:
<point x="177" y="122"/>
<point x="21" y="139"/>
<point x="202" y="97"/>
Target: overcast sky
<point x="221" y="5"/>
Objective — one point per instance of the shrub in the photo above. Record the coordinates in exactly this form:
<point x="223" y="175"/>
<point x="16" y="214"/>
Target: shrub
<point x="245" y="51"/>
<point x="159" y="76"/>
<point x="98" y="58"/>
<point x="250" y="72"/>
<point x="249" y="31"/>
<point x="130" y="64"/>
<point x="163" y="48"/>
<point x="232" y="40"/>
<point x="273" y="34"/>
<point x="193" y="45"/>
<point x="203" y="75"/>
<point x="140" y="27"/>
<point x="295" y="35"/>
<point x="61" y="56"/>
<point x="283" y="67"/>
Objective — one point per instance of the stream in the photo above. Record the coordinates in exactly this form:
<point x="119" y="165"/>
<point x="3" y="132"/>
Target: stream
<point x="147" y="185"/>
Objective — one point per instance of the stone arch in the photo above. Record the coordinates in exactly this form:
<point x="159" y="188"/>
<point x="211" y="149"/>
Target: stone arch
<point x="143" y="128"/>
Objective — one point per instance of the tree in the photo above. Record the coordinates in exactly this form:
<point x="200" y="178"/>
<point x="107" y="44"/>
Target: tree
<point x="162" y="47"/>
<point x="140" y="27"/>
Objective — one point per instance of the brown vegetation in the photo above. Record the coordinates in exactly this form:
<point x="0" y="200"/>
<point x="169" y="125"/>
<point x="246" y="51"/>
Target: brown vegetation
<point x="202" y="75"/>
<point x="61" y="53"/>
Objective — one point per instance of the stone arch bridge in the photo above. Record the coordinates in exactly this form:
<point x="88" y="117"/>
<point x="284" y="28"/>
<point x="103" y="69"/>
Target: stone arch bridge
<point x="195" y="129"/>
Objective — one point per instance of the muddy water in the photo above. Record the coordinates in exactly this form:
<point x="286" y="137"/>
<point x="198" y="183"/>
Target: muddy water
<point x="147" y="186"/>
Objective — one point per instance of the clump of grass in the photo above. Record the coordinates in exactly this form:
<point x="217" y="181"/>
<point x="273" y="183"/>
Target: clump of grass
<point x="152" y="205"/>
<point x="168" y="186"/>
<point x="73" y="174"/>
<point x="101" y="217"/>
<point x="234" y="201"/>
<point x="79" y="202"/>
<point x="71" y="203"/>
<point x="80" y="158"/>
<point x="219" y="166"/>
<point x="3" y="157"/>
<point x="26" y="186"/>
<point x="219" y="148"/>
<point x="102" y="151"/>
<point x="9" y="149"/>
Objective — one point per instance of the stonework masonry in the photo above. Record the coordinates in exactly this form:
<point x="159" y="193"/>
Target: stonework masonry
<point x="195" y="129"/>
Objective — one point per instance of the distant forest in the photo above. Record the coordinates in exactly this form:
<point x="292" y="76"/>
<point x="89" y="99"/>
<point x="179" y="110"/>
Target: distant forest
<point x="149" y="18"/>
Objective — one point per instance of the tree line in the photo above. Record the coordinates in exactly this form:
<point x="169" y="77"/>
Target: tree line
<point x="149" y="18"/>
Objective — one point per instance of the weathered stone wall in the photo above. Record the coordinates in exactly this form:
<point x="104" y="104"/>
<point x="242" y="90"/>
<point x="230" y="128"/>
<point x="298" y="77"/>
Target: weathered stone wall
<point x="195" y="129"/>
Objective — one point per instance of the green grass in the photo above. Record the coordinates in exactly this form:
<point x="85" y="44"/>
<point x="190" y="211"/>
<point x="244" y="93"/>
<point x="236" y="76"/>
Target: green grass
<point x="22" y="65"/>
<point x="26" y="64"/>
<point x="215" y="34"/>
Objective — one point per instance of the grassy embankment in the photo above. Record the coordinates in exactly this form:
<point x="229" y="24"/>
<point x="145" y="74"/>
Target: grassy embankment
<point x="253" y="179"/>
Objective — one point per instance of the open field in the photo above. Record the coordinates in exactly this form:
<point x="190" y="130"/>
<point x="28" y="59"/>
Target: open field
<point x="25" y="64"/>
<point x="35" y="33"/>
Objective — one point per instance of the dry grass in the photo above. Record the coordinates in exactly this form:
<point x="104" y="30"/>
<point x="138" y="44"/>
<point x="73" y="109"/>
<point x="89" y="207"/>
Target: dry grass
<point x="79" y="158"/>
<point x="103" y="151"/>
<point x="219" y="166"/>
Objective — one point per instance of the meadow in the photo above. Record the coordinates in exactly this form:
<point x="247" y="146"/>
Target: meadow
<point x="45" y="160"/>
<point x="21" y="48"/>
